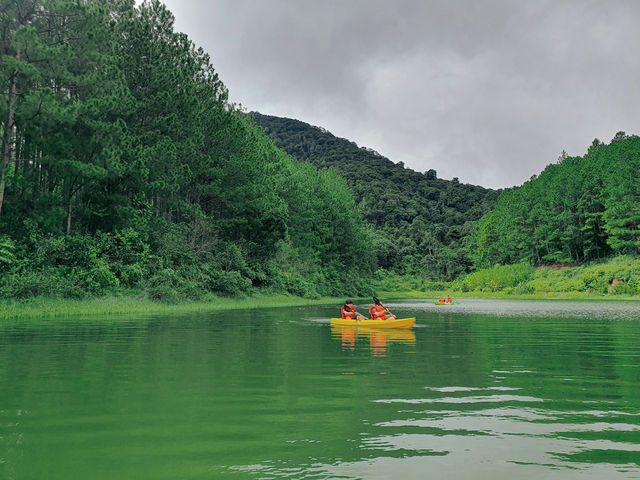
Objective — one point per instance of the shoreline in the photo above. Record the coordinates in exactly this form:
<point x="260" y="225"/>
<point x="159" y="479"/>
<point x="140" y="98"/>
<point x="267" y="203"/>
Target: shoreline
<point x="583" y="296"/>
<point x="56" y="308"/>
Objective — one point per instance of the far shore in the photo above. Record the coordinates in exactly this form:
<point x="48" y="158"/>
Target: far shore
<point x="510" y="296"/>
<point x="53" y="308"/>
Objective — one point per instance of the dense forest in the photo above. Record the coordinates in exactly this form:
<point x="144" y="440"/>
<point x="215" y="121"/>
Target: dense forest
<point x="421" y="224"/>
<point x="125" y="167"/>
<point x="577" y="210"/>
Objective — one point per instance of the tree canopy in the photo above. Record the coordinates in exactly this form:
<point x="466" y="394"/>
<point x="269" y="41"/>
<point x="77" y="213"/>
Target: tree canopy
<point x="577" y="210"/>
<point x="125" y="165"/>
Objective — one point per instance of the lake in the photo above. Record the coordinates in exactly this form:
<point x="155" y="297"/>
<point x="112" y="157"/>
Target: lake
<point x="485" y="389"/>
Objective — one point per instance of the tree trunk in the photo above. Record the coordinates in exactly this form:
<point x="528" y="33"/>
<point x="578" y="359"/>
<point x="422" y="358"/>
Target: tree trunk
<point x="69" y="214"/>
<point x="8" y="133"/>
<point x="19" y="153"/>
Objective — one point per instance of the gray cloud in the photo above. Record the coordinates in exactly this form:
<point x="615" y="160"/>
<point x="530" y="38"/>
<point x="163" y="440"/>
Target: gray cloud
<point x="490" y="92"/>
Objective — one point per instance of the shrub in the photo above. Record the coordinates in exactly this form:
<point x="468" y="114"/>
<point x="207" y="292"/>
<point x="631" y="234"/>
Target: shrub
<point x="229" y="283"/>
<point x="130" y="275"/>
<point x="168" y="286"/>
<point x="7" y="255"/>
<point x="51" y="282"/>
<point x="296" y="284"/>
<point x="497" y="277"/>
<point x="99" y="279"/>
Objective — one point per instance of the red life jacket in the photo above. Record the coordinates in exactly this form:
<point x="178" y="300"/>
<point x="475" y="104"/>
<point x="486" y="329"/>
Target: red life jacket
<point x="346" y="312"/>
<point x="377" y="312"/>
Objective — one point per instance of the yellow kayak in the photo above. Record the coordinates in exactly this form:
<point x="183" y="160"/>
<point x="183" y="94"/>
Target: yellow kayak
<point x="438" y="302"/>
<point x="397" y="323"/>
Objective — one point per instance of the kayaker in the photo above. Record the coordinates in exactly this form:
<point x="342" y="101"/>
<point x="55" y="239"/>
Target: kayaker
<point x="379" y="311"/>
<point x="348" y="310"/>
<point x="449" y="299"/>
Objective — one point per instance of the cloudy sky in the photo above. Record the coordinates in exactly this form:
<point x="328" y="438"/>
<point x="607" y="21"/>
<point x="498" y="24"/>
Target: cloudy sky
<point x="484" y="90"/>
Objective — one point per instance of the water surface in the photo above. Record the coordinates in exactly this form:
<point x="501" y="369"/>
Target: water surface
<point x="483" y="389"/>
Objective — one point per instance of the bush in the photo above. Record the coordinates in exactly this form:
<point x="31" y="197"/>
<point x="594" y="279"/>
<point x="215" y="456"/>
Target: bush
<point x="497" y="278"/>
<point x="99" y="279"/>
<point x="7" y="249"/>
<point x="297" y="285"/>
<point x="168" y="286"/>
<point x="51" y="282"/>
<point x="130" y="275"/>
<point x="229" y="283"/>
<point x="548" y="280"/>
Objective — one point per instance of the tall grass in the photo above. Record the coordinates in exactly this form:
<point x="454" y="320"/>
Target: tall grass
<point x="616" y="276"/>
<point x="619" y="276"/>
<point x="40" y="307"/>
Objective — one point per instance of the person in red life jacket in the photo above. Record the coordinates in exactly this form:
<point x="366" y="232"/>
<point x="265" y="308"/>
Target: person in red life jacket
<point x="349" y="311"/>
<point x="449" y="299"/>
<point x="379" y="311"/>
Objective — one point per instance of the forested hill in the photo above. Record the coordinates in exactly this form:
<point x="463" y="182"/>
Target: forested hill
<point x="422" y="223"/>
<point x="577" y="210"/>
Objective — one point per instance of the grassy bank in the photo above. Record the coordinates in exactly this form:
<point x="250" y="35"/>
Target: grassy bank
<point x="504" y="295"/>
<point x="40" y="307"/>
<point x="616" y="278"/>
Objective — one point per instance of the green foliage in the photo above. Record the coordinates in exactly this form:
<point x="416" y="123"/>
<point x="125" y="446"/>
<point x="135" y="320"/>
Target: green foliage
<point x="498" y="277"/>
<point x="387" y="281"/>
<point x="420" y="224"/>
<point x="577" y="210"/>
<point x="169" y="286"/>
<point x="618" y="276"/>
<point x="7" y="256"/>
<point x="52" y="282"/>
<point x="550" y="280"/>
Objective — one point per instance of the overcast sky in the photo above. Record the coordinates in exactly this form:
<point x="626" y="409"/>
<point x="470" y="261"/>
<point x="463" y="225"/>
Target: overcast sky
<point x="486" y="91"/>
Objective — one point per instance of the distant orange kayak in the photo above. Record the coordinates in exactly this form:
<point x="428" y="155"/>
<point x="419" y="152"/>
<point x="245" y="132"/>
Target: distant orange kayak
<point x="397" y="323"/>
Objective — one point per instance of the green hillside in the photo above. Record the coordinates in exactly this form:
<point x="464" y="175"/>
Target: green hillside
<point x="421" y="223"/>
<point x="577" y="210"/>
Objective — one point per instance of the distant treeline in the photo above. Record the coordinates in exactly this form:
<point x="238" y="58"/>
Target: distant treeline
<point x="421" y="224"/>
<point x="577" y="210"/>
<point x="124" y="166"/>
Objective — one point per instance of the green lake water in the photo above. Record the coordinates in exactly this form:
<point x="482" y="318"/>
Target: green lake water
<point x="485" y="389"/>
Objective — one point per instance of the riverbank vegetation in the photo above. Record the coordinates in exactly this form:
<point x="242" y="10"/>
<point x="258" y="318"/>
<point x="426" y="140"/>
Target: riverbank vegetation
<point x="617" y="277"/>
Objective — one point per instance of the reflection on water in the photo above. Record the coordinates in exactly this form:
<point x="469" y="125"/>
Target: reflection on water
<point x="376" y="339"/>
<point x="275" y="394"/>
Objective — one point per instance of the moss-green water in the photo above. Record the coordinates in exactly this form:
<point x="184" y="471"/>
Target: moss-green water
<point x="488" y="389"/>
